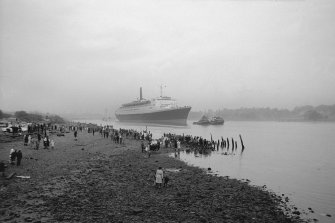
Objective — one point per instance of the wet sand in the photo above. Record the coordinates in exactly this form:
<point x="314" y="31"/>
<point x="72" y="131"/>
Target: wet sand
<point x="96" y="180"/>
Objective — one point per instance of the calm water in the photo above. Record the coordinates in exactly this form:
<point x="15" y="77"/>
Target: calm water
<point x="297" y="159"/>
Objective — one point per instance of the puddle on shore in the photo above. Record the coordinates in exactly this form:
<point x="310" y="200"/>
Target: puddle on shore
<point x="173" y="170"/>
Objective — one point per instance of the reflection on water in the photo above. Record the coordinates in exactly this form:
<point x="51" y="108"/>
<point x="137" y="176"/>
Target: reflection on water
<point x="291" y="158"/>
<point x="296" y="159"/>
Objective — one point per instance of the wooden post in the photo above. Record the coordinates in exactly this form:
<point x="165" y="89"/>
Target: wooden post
<point x="242" y="143"/>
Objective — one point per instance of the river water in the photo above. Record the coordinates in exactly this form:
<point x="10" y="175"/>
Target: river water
<point x="292" y="158"/>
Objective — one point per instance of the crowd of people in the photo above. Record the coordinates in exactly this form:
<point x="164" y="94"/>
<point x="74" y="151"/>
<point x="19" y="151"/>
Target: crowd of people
<point x="197" y="144"/>
<point x="36" y="135"/>
<point x="41" y="132"/>
<point x="15" y="155"/>
<point x="34" y="141"/>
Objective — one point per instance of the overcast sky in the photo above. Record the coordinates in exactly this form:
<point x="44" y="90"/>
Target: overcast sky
<point x="88" y="56"/>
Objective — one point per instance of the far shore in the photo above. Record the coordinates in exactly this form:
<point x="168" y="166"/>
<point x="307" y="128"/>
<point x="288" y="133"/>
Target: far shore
<point x="94" y="179"/>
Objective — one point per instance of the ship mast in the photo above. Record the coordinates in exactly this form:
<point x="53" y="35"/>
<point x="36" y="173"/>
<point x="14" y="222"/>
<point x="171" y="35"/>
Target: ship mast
<point x="141" y="97"/>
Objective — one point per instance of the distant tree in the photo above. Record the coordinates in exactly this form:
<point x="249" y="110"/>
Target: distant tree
<point x="56" y="119"/>
<point x="302" y="113"/>
<point x="4" y="115"/>
<point x="313" y="115"/>
<point x="24" y="116"/>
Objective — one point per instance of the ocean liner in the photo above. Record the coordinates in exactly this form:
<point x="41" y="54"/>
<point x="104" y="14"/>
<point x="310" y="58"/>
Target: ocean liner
<point x="160" y="110"/>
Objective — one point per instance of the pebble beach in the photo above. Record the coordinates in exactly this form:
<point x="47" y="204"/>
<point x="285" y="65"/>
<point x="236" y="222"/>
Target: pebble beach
<point x="93" y="179"/>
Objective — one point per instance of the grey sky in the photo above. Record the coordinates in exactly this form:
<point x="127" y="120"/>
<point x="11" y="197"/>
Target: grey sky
<point x="86" y="56"/>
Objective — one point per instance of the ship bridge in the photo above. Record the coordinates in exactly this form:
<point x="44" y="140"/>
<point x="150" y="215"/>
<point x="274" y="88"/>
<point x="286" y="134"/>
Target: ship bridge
<point x="165" y="102"/>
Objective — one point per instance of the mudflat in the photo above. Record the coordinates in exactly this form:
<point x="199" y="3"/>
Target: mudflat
<point x="95" y="180"/>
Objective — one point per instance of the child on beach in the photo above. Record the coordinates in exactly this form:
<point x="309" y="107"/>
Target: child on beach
<point x="166" y="181"/>
<point x="147" y="150"/>
<point x="12" y="156"/>
<point x="45" y="142"/>
<point x="75" y="135"/>
<point x="159" y="177"/>
<point x="52" y="143"/>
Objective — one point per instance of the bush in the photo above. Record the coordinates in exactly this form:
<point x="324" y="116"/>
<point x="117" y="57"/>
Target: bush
<point x="4" y="115"/>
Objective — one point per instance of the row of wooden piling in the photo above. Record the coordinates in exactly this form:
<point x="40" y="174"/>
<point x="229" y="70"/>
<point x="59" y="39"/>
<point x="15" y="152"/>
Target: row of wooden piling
<point x="227" y="143"/>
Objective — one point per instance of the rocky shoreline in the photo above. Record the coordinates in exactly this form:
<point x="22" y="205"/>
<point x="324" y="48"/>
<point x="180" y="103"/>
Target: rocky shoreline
<point x="95" y="180"/>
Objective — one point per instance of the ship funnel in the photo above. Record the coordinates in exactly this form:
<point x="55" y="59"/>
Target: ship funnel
<point x="141" y="93"/>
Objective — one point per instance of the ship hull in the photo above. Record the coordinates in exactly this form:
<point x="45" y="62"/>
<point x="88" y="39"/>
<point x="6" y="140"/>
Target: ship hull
<point x="176" y="116"/>
<point x="217" y="123"/>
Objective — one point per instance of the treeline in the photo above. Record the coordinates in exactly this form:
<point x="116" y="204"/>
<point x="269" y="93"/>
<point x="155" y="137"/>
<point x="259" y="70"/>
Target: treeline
<point x="4" y="115"/>
<point x="32" y="117"/>
<point x="302" y="113"/>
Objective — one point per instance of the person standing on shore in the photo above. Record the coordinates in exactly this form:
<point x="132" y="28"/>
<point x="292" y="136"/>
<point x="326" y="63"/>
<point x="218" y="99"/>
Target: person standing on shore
<point x="147" y="149"/>
<point x="48" y="142"/>
<point x="142" y="146"/>
<point x="37" y="144"/>
<point x="29" y="140"/>
<point x="178" y="146"/>
<point x="2" y="168"/>
<point x="25" y="140"/>
<point x="159" y="177"/>
<point x="32" y="143"/>
<point x="75" y="135"/>
<point x="39" y="137"/>
<point x="19" y="158"/>
<point x="45" y="142"/>
<point x="166" y="142"/>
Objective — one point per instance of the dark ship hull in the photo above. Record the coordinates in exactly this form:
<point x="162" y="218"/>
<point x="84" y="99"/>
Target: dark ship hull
<point x="205" y="121"/>
<point x="202" y="123"/>
<point x="175" y="116"/>
<point x="216" y="122"/>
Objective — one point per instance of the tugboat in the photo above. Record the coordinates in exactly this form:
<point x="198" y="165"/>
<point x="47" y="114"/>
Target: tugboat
<point x="216" y="120"/>
<point x="203" y="121"/>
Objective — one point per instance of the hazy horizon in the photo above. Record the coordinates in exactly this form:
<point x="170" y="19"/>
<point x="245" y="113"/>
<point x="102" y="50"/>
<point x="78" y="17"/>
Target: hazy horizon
<point x="80" y="56"/>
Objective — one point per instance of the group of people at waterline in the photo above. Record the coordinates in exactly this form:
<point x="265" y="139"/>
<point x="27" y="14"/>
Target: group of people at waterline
<point x="168" y="140"/>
